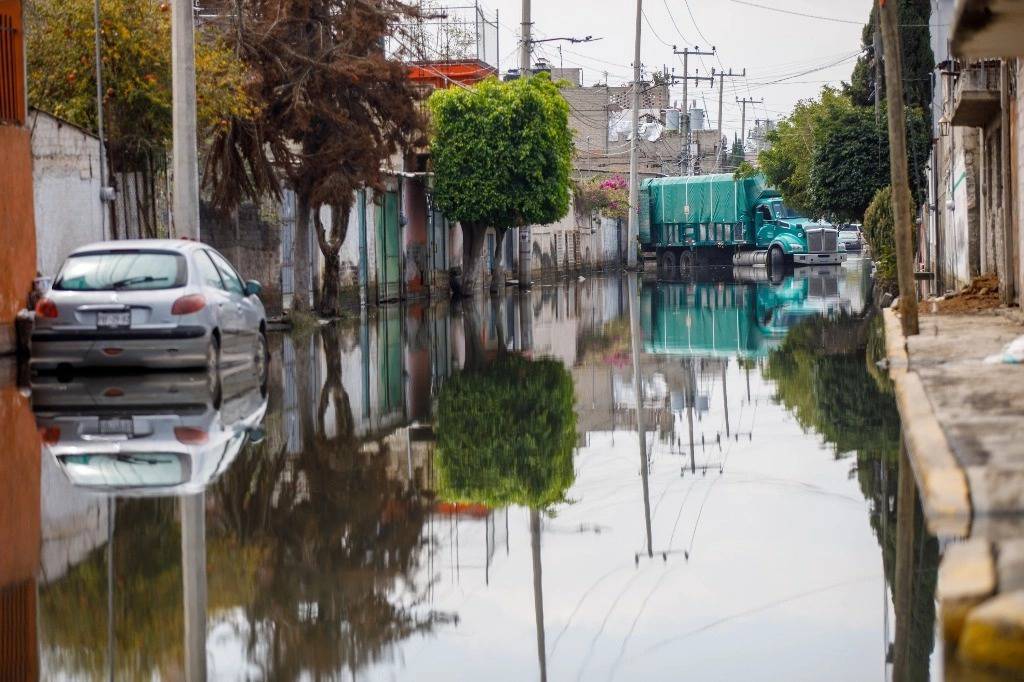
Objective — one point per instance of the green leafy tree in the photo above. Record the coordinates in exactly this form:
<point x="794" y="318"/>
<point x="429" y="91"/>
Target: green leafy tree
<point x="851" y="163"/>
<point x="737" y="156"/>
<point x="135" y="48"/>
<point x="880" y="233"/>
<point x="506" y="434"/>
<point x="502" y="153"/>
<point x="916" y="52"/>
<point x="787" y="163"/>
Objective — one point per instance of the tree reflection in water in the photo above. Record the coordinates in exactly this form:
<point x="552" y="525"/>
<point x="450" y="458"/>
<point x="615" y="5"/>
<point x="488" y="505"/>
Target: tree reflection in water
<point x="341" y="541"/>
<point x="825" y="373"/>
<point x="310" y="560"/>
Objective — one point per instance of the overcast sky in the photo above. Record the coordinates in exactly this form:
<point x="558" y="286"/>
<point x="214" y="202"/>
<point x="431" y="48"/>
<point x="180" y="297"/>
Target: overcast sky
<point x="770" y="44"/>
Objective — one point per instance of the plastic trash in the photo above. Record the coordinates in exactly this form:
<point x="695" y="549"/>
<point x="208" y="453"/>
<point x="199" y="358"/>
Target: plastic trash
<point x="1012" y="354"/>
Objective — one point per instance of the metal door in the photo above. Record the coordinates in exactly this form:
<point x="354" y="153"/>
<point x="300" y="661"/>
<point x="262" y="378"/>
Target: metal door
<point x="438" y="239"/>
<point x="389" y="272"/>
<point x="287" y="247"/>
<point x="390" y="380"/>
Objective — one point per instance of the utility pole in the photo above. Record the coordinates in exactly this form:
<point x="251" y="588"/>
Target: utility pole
<point x="743" y="118"/>
<point x="876" y="40"/>
<point x="525" y="233"/>
<point x="527" y="43"/>
<point x="898" y="165"/>
<point x="634" y="175"/>
<point x="686" y="78"/>
<point x="106" y="192"/>
<point x="183" y="118"/>
<point x="722" y="75"/>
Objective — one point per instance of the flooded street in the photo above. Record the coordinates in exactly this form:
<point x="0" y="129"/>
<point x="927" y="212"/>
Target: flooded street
<point x="491" y="492"/>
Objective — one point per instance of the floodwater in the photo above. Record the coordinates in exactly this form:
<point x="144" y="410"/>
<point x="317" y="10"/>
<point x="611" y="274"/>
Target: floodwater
<point x="493" y="492"/>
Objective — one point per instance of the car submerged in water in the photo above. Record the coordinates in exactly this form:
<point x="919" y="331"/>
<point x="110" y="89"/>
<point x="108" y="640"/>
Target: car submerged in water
<point x="153" y="303"/>
<point x="851" y="238"/>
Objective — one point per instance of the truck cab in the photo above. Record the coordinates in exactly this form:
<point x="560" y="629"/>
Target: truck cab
<point x="785" y="233"/>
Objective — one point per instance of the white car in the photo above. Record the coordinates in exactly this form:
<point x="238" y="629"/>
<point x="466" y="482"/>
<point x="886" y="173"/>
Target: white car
<point x="152" y="303"/>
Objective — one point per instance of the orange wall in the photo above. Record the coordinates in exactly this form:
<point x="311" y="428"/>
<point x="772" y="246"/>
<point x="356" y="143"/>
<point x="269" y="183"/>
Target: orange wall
<point x="17" y="228"/>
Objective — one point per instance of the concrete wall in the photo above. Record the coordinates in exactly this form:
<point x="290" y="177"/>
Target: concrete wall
<point x="66" y="183"/>
<point x="18" y="246"/>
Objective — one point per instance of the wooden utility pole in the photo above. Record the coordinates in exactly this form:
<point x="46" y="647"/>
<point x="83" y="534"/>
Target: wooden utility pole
<point x="686" y="78"/>
<point x="722" y="75"/>
<point x="743" y="118"/>
<point x="634" y="173"/>
<point x="184" y="144"/>
<point x="888" y="19"/>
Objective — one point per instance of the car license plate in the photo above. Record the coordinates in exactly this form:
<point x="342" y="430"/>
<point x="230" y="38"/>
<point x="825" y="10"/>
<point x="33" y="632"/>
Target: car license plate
<point x="114" y="320"/>
<point x="117" y="427"/>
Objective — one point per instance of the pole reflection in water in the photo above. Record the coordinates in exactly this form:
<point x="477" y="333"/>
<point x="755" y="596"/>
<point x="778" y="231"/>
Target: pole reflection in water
<point x="355" y="536"/>
<point x="634" y="334"/>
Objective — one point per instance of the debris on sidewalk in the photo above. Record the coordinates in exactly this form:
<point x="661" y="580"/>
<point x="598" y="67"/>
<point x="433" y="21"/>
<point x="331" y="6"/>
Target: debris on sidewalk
<point x="981" y="294"/>
<point x="1012" y="353"/>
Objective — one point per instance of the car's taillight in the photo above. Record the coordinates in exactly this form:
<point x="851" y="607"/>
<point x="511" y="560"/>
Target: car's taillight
<point x="186" y="305"/>
<point x="50" y="435"/>
<point x="46" y="308"/>
<point x="188" y="435"/>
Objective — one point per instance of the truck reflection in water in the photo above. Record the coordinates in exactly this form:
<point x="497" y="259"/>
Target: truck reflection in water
<point x="737" y="312"/>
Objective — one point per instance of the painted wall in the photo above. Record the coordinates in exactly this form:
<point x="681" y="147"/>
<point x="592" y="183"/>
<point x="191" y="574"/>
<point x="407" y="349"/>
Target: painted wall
<point x="66" y="184"/>
<point x="18" y="246"/>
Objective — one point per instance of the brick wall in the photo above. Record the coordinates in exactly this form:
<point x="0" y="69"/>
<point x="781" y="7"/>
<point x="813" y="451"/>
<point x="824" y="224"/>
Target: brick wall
<point x="251" y="240"/>
<point x="18" y="246"/>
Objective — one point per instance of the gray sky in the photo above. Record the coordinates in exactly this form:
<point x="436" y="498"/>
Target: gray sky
<point x="769" y="44"/>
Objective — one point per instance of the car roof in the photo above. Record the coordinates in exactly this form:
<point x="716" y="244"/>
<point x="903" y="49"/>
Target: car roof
<point x="179" y="245"/>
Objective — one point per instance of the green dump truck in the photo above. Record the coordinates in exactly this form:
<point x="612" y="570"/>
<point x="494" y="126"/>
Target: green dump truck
<point x="720" y="219"/>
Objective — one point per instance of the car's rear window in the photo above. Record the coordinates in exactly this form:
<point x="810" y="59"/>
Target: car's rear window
<point x="122" y="271"/>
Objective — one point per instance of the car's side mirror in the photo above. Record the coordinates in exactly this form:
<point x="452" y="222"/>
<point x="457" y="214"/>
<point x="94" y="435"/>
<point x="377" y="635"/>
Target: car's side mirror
<point x="253" y="288"/>
<point x="256" y="435"/>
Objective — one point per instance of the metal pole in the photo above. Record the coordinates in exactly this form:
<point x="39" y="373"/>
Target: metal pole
<point x="634" y="175"/>
<point x="183" y="119"/>
<point x="105" y="195"/>
<point x="876" y="40"/>
<point x="538" y="592"/>
<point x="898" y="167"/>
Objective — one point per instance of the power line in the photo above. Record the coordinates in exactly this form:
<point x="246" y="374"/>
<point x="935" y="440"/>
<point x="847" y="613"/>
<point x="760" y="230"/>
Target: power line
<point x="798" y="14"/>
<point x="695" y="25"/>
<point x="673" y="19"/>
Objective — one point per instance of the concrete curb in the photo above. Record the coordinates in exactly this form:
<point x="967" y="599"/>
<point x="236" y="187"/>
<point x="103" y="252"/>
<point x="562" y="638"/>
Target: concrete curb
<point x="943" y="484"/>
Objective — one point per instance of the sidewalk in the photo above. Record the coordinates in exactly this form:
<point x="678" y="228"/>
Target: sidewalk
<point x="963" y="424"/>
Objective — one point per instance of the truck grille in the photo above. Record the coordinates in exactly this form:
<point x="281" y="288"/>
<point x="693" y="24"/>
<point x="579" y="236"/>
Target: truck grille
<point x="822" y="240"/>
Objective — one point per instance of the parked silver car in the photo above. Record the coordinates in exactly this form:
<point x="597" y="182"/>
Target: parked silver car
<point x="155" y="303"/>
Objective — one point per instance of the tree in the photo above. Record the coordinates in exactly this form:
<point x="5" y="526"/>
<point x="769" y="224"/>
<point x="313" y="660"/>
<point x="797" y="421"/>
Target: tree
<point x="506" y="434"/>
<point x="917" y="58"/>
<point x="501" y="153"/>
<point x="852" y="162"/>
<point x="135" y="50"/>
<point x="737" y="156"/>
<point x="787" y="163"/>
<point x="333" y="106"/>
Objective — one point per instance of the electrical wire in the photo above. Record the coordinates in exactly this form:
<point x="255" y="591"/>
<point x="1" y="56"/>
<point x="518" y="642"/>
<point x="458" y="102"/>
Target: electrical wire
<point x="798" y="14"/>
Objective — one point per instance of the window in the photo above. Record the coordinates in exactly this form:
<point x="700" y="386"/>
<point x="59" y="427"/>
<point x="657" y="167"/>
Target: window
<point x="231" y="279"/>
<point x="122" y="271"/>
<point x="765" y="212"/>
<point x="208" y="273"/>
<point x="785" y="212"/>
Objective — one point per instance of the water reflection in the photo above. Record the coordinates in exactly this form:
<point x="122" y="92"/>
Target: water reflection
<point x="706" y="473"/>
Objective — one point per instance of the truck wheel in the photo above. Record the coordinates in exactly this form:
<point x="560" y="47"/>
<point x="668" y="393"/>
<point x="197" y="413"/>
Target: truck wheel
<point x="776" y="260"/>
<point x="668" y="261"/>
<point x="686" y="260"/>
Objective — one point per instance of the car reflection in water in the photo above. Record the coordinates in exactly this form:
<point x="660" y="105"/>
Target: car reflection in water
<point x="151" y="434"/>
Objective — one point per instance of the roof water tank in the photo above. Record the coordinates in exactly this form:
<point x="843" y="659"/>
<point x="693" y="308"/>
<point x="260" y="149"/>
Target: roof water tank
<point x="697" y="119"/>
<point x="672" y="118"/>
